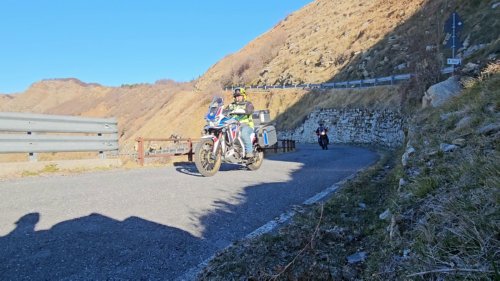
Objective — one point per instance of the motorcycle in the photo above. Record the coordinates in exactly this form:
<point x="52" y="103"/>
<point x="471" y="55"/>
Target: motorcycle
<point x="323" y="139"/>
<point x="222" y="141"/>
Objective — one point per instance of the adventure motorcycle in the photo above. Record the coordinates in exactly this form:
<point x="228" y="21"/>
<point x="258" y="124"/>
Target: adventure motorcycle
<point x="222" y="141"/>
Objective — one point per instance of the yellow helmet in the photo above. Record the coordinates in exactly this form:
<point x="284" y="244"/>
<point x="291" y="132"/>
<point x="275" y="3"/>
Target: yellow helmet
<point x="240" y="92"/>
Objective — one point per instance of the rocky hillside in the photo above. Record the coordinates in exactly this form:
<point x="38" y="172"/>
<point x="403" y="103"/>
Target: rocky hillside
<point x="338" y="40"/>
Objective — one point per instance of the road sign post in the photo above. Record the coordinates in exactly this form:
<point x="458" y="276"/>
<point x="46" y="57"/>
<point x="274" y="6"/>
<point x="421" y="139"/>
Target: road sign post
<point x="453" y="26"/>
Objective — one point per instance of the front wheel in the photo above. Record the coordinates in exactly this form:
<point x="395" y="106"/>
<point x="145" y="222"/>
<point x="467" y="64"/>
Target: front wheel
<point x="206" y="161"/>
<point x="257" y="160"/>
<point x="324" y="143"/>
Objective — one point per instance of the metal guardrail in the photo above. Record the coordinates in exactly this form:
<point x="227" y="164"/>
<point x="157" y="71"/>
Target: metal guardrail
<point x="56" y="133"/>
<point x="388" y="80"/>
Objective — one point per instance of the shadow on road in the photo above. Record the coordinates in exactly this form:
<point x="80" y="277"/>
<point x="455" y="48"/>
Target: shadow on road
<point x="97" y="247"/>
<point x="189" y="168"/>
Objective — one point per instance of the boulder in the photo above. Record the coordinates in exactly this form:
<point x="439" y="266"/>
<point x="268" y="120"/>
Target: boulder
<point x="471" y="68"/>
<point x="438" y="94"/>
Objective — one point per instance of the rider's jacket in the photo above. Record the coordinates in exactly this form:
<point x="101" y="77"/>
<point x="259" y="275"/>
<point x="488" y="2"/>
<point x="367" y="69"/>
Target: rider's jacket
<point x="321" y="129"/>
<point x="243" y="118"/>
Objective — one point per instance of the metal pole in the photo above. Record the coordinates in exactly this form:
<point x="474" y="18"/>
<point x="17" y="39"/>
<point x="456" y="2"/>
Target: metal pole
<point x="190" y="153"/>
<point x="140" y="151"/>
<point x="453" y="41"/>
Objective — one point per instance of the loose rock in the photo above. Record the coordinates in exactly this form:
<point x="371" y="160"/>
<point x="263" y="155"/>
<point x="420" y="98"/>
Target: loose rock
<point x="446" y="147"/>
<point x="385" y="215"/>
<point x="357" y="257"/>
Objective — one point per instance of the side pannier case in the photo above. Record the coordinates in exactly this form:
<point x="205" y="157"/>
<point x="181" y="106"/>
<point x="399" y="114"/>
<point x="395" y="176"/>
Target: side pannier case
<point x="267" y="135"/>
<point x="266" y="132"/>
<point x="261" y="117"/>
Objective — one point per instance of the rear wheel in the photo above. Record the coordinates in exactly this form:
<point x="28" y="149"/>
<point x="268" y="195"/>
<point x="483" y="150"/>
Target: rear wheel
<point x="257" y="160"/>
<point x="206" y="162"/>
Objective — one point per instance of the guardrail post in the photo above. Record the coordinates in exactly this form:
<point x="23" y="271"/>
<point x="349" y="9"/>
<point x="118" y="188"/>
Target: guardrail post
<point x="190" y="152"/>
<point x="293" y="144"/>
<point x="283" y="144"/>
<point x="140" y="151"/>
<point x="33" y="157"/>
<point x="101" y="153"/>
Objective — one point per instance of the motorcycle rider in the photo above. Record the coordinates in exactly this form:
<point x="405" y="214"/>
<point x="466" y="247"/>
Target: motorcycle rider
<point x="241" y="103"/>
<point x="320" y="130"/>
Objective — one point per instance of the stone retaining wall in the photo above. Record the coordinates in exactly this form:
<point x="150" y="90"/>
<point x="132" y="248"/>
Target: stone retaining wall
<point x="362" y="126"/>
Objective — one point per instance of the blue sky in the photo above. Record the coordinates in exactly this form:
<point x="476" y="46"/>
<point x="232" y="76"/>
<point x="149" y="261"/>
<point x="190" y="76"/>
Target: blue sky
<point x="114" y="42"/>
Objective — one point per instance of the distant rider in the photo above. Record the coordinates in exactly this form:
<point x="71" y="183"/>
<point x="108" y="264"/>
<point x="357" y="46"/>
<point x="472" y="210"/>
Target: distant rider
<point x="241" y="103"/>
<point x="322" y="130"/>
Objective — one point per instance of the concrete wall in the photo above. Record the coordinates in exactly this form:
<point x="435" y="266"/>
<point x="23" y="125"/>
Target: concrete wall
<point x="380" y="127"/>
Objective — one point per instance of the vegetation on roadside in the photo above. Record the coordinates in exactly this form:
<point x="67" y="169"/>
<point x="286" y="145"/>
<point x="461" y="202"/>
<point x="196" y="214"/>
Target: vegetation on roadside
<point x="315" y="246"/>
<point x="52" y="169"/>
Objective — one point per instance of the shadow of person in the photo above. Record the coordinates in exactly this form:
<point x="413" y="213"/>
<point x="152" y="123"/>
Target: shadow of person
<point x="25" y="225"/>
<point x="97" y="247"/>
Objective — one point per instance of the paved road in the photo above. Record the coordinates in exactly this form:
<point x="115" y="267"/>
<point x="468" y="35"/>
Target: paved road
<point x="154" y="223"/>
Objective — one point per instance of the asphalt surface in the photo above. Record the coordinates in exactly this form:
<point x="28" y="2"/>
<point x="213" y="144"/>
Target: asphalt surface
<point x="153" y="223"/>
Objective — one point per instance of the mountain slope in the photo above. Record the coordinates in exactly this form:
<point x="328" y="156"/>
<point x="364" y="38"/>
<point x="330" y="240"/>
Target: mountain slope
<point x="327" y="39"/>
<point x="341" y="40"/>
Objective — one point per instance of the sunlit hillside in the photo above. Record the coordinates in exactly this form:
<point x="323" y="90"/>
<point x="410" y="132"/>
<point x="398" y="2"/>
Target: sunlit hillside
<point x="325" y="40"/>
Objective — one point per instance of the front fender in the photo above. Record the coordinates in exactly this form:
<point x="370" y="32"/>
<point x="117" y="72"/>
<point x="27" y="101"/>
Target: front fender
<point x="216" y="140"/>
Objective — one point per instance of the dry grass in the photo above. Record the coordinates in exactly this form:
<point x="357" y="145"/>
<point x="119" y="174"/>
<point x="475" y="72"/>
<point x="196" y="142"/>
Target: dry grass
<point x="456" y="221"/>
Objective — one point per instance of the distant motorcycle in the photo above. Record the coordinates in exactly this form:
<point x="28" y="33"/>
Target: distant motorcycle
<point x="323" y="140"/>
<point x="222" y="141"/>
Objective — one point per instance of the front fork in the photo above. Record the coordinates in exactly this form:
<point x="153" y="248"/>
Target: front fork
<point x="217" y="140"/>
